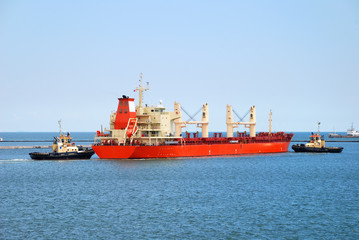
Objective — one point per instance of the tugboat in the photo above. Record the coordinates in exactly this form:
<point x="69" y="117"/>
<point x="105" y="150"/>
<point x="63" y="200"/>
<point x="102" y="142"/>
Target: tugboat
<point x="63" y="149"/>
<point x="316" y="145"/>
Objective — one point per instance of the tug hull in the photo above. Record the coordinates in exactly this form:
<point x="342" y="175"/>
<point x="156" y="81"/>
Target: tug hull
<point x="85" y="154"/>
<point x="303" y="148"/>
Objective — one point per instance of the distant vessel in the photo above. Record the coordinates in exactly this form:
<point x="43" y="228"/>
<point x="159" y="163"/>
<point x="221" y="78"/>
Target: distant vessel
<point x="0" y="139"/>
<point x="351" y="133"/>
<point x="147" y="132"/>
<point x="63" y="149"/>
<point x="316" y="145"/>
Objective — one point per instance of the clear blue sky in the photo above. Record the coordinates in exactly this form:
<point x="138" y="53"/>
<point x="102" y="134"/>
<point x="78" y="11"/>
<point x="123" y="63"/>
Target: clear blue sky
<point x="70" y="60"/>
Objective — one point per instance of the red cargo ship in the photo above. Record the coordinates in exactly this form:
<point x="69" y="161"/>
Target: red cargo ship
<point x="147" y="132"/>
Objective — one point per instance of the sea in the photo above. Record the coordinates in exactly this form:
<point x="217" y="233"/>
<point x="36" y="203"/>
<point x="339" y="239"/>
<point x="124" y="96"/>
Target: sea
<point x="268" y="196"/>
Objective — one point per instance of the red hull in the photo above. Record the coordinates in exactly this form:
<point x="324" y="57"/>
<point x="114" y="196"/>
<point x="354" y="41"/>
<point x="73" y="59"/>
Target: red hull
<point x="135" y="152"/>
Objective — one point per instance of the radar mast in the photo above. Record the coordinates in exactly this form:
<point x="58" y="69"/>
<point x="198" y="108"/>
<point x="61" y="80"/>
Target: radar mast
<point x="140" y="90"/>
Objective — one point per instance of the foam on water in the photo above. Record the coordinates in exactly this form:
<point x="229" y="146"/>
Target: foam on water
<point x="3" y="161"/>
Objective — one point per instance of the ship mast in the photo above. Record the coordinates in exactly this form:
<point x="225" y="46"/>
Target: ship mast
<point x="60" y="126"/>
<point x="270" y="122"/>
<point x="140" y="90"/>
<point x="318" y="128"/>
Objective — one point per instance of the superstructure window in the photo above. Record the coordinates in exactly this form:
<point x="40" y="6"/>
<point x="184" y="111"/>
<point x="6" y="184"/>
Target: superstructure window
<point x="125" y="110"/>
<point x="121" y="104"/>
<point x="121" y="110"/>
<point x="125" y="103"/>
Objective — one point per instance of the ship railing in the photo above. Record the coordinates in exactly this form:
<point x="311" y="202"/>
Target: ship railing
<point x="205" y="141"/>
<point x="240" y="140"/>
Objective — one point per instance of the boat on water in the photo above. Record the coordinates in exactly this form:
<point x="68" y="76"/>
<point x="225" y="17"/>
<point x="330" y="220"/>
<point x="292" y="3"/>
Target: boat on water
<point x="64" y="149"/>
<point x="143" y="132"/>
<point x="316" y="145"/>
<point x="351" y="133"/>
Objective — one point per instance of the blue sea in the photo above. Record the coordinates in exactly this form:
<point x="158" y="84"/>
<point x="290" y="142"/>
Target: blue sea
<point x="268" y="196"/>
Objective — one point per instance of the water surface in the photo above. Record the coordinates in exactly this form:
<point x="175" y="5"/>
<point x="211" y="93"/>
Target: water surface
<point x="269" y="196"/>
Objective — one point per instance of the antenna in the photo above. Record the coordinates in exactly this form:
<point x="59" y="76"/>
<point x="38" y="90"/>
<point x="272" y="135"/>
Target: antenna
<point x="318" y="127"/>
<point x="60" y="126"/>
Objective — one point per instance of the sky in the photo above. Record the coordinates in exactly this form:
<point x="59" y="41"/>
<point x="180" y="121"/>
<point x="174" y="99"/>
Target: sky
<point x="71" y="60"/>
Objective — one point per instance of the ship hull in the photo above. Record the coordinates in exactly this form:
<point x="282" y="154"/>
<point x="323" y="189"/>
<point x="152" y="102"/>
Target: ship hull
<point x="139" y="152"/>
<point x="341" y="136"/>
<point x="86" y="154"/>
<point x="303" y="148"/>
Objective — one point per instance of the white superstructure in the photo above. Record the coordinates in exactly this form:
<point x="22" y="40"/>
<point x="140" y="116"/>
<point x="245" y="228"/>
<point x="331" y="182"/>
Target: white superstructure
<point x="352" y="132"/>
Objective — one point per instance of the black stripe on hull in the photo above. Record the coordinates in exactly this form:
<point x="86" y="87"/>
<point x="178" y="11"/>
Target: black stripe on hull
<point x="87" y="154"/>
<point x="303" y="148"/>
